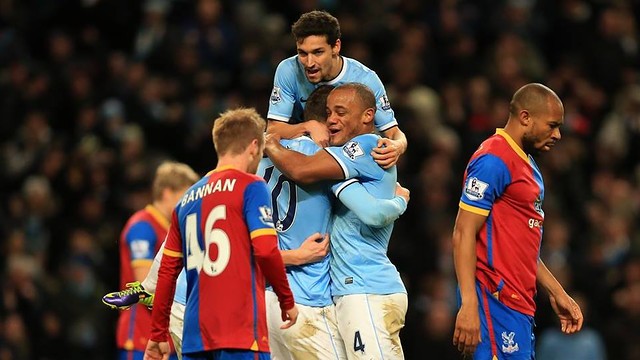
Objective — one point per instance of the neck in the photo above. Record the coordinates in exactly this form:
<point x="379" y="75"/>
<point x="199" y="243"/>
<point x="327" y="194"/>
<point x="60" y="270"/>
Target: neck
<point x="163" y="208"/>
<point x="515" y="132"/>
<point x="336" y="67"/>
<point x="239" y="162"/>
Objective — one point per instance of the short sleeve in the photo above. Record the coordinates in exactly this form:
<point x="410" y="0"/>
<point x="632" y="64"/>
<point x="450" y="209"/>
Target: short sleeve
<point x="282" y="98"/>
<point x="487" y="177"/>
<point x="141" y="240"/>
<point x="257" y="209"/>
<point x="354" y="157"/>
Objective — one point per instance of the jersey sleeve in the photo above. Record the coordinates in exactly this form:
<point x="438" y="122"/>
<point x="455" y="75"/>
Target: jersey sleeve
<point x="166" y="287"/>
<point x="372" y="211"/>
<point x="354" y="157"/>
<point x="384" y="118"/>
<point x="282" y="99"/>
<point x="487" y="177"/>
<point x="264" y="241"/>
<point x="141" y="240"/>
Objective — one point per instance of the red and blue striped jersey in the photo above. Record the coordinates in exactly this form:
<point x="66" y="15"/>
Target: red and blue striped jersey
<point x="504" y="184"/>
<point x="223" y="230"/>
<point x="140" y="240"/>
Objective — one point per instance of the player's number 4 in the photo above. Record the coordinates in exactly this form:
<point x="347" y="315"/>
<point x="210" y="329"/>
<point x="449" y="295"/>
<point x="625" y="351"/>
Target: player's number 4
<point x="200" y="259"/>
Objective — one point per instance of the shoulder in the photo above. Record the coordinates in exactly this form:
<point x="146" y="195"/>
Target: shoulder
<point x="360" y="145"/>
<point x="362" y="73"/>
<point x="302" y="144"/>
<point x="288" y="64"/>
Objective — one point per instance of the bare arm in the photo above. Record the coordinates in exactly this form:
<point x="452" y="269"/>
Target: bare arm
<point x="318" y="131"/>
<point x="565" y="307"/>
<point x="301" y="168"/>
<point x="466" y="335"/>
<point x="390" y="147"/>
<point x="313" y="249"/>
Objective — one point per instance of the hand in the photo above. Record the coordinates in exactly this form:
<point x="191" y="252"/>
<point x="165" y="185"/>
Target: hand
<point x="402" y="191"/>
<point x="466" y="334"/>
<point x="157" y="350"/>
<point x="289" y="317"/>
<point x="318" y="132"/>
<point x="387" y="153"/>
<point x="568" y="311"/>
<point x="314" y="248"/>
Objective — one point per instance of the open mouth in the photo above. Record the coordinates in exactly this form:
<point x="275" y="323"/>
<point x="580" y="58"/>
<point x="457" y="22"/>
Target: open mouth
<point x="312" y="72"/>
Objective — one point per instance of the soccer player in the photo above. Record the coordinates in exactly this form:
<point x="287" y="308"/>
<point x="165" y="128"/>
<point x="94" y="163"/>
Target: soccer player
<point x="497" y="234"/>
<point x="298" y="212"/>
<point x="222" y="232"/>
<point x="139" y="241"/>
<point x="317" y="36"/>
<point x="370" y="298"/>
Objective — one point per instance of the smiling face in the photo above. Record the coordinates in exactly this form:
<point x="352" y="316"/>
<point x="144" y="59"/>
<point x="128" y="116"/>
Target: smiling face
<point x="319" y="59"/>
<point x="544" y="129"/>
<point x="347" y="116"/>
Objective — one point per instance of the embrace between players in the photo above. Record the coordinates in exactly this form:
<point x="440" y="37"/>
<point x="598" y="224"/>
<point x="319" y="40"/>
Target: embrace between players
<point x="230" y="230"/>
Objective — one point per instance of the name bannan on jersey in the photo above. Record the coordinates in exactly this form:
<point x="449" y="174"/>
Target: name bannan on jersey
<point x="207" y="189"/>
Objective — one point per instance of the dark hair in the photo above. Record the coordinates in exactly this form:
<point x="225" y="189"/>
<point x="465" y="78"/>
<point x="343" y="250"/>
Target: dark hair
<point x="316" y="107"/>
<point x="363" y="93"/>
<point x="319" y="23"/>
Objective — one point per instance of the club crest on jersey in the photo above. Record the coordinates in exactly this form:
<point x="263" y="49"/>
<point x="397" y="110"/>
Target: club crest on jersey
<point x="275" y="95"/>
<point x="266" y="215"/>
<point x="509" y="345"/>
<point x="385" y="104"/>
<point x="474" y="189"/>
<point x="352" y="150"/>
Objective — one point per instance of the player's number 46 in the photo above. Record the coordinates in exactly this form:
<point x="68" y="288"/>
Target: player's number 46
<point x="200" y="259"/>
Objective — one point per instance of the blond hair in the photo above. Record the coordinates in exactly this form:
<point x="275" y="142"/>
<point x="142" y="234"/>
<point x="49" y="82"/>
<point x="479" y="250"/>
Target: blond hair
<point x="235" y="129"/>
<point x="172" y="175"/>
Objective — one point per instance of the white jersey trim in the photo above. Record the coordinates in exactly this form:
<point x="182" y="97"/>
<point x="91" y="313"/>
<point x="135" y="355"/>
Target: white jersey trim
<point x="345" y="170"/>
<point x="277" y="118"/>
<point x="389" y="125"/>
<point x="345" y="65"/>
<point x="344" y="185"/>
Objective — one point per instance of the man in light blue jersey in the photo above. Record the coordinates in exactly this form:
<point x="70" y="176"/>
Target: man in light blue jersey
<point x="298" y="213"/>
<point x="302" y="216"/>
<point x="369" y="295"/>
<point x="317" y="36"/>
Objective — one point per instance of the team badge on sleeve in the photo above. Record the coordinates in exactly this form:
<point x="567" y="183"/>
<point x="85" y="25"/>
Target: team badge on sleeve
<point x="474" y="189"/>
<point x="140" y="249"/>
<point x="266" y="215"/>
<point x="352" y="150"/>
<point x="275" y="95"/>
<point x="385" y="104"/>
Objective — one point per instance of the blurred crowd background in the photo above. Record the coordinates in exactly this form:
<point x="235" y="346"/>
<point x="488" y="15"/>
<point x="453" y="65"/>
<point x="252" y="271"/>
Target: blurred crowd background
<point x="94" y="94"/>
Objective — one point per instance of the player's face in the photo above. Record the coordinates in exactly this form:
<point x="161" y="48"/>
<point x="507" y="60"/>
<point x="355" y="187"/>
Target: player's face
<point x="544" y="131"/>
<point x="317" y="58"/>
<point x="345" y="116"/>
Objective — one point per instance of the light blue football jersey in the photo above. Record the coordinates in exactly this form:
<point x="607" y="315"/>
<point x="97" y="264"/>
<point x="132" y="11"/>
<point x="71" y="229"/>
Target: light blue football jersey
<point x="181" y="289"/>
<point x="359" y="262"/>
<point x="299" y="212"/>
<point x="291" y="90"/>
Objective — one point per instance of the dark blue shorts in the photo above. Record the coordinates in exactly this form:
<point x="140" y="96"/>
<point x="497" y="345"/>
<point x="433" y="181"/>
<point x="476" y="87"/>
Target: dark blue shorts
<point x="506" y="333"/>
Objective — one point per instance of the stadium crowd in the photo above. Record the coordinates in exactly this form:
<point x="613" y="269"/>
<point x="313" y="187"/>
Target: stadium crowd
<point x="94" y="94"/>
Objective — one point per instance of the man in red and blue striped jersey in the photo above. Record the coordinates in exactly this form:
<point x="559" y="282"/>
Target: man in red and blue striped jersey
<point x="497" y="235"/>
<point x="222" y="233"/>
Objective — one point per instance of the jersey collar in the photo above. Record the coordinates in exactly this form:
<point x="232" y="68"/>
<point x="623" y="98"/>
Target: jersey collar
<point x="340" y="74"/>
<point x="157" y="215"/>
<point x="513" y="144"/>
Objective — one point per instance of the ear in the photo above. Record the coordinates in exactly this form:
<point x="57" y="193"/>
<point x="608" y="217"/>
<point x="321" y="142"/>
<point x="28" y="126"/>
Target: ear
<point x="525" y="117"/>
<point x="336" y="48"/>
<point x="368" y="115"/>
